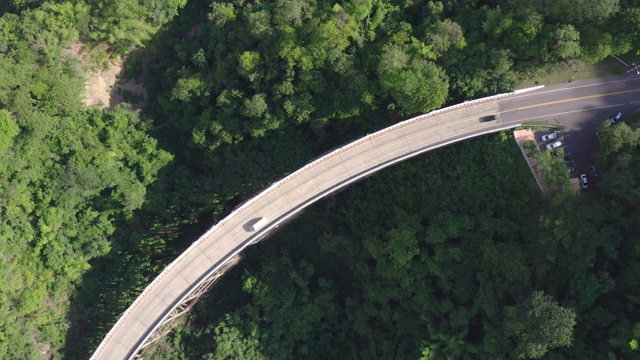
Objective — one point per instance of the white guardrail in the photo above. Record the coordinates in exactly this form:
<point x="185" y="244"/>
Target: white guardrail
<point x="274" y="223"/>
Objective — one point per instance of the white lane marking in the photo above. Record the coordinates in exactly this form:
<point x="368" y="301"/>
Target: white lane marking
<point x="518" y="96"/>
<point x="521" y="91"/>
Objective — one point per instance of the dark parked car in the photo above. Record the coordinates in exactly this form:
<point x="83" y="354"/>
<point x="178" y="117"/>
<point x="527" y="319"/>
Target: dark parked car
<point x="573" y="171"/>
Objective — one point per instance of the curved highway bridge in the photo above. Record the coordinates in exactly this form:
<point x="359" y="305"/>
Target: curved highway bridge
<point x="178" y="282"/>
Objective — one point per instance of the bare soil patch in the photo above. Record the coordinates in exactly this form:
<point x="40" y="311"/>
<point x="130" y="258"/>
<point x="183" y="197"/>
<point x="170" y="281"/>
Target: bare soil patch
<point x="521" y="136"/>
<point x="104" y="89"/>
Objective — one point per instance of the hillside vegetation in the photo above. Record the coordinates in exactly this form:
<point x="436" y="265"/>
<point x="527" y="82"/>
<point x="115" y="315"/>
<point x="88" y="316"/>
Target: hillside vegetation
<point x="93" y="204"/>
<point x="455" y="255"/>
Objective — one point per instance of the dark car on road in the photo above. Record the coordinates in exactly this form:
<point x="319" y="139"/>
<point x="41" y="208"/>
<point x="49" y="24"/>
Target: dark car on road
<point x="489" y="118"/>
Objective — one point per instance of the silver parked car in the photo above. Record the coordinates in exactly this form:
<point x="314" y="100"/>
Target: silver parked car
<point x="554" y="145"/>
<point x="550" y="136"/>
<point x="583" y="181"/>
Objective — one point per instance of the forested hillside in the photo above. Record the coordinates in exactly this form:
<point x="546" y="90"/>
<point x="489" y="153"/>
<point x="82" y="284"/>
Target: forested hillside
<point x="68" y="176"/>
<point x="449" y="256"/>
<point x="433" y="261"/>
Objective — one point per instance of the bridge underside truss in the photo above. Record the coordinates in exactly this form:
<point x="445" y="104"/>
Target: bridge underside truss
<point x="171" y="321"/>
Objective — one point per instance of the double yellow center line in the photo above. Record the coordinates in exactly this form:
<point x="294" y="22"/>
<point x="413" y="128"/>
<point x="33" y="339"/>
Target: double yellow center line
<point x="572" y="99"/>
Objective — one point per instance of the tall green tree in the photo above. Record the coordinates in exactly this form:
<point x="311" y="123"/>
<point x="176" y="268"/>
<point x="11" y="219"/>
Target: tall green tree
<point x="538" y="325"/>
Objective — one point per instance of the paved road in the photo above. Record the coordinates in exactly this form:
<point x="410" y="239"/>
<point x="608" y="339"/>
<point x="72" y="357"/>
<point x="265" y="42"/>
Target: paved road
<point x="582" y="117"/>
<point x="578" y="101"/>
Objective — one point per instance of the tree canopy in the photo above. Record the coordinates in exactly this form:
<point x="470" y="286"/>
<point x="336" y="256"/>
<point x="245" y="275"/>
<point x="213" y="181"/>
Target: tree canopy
<point x="445" y="257"/>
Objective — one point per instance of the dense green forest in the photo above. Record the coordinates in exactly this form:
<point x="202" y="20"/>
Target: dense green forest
<point x="450" y="256"/>
<point x="431" y="261"/>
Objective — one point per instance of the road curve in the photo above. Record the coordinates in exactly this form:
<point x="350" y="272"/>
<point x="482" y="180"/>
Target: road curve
<point x="355" y="160"/>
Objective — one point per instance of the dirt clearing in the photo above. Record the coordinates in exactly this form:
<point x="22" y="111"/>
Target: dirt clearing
<point x="103" y="88"/>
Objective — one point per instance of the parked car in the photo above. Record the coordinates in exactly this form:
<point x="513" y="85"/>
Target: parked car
<point x="615" y="118"/>
<point x="554" y="145"/>
<point x="583" y="181"/>
<point x="550" y="136"/>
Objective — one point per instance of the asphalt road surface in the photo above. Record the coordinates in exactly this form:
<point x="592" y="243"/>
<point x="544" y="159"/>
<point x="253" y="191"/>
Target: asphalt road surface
<point x="579" y="106"/>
